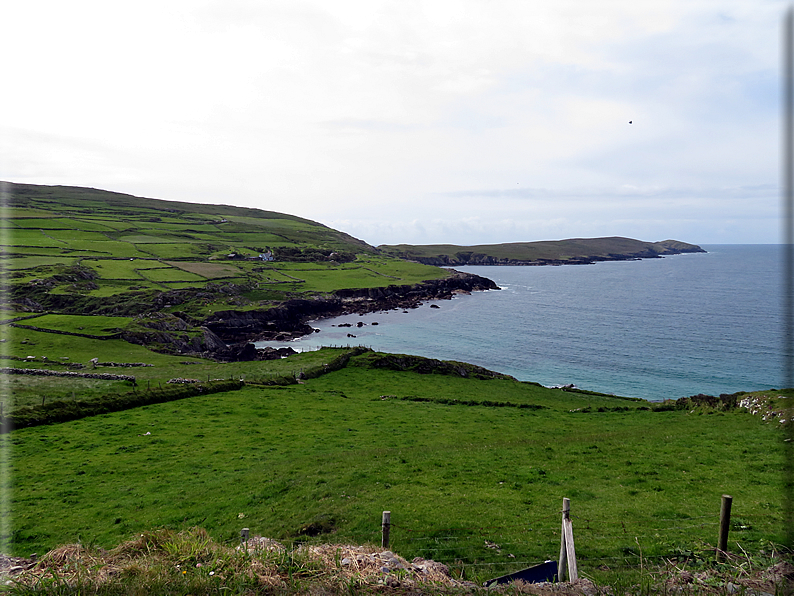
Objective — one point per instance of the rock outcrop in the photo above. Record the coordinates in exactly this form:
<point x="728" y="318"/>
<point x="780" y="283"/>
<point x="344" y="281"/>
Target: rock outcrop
<point x="290" y="319"/>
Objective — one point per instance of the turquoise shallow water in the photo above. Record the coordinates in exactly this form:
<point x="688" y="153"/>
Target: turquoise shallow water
<point x="657" y="328"/>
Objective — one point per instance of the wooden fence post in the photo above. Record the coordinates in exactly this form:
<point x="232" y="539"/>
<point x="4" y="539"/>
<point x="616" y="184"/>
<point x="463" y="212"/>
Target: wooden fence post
<point x="567" y="551"/>
<point x="386" y="527"/>
<point x="725" y="525"/>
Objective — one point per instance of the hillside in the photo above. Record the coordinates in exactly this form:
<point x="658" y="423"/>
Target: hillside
<point x="310" y="449"/>
<point x="126" y="420"/>
<point x="550" y="252"/>
<point x="193" y="278"/>
<point x="190" y="278"/>
<point x="119" y="216"/>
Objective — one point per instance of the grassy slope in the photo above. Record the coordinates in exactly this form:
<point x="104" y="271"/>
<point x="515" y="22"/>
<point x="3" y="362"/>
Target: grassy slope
<point x="17" y="390"/>
<point x="531" y="251"/>
<point x="132" y="244"/>
<point x="332" y="451"/>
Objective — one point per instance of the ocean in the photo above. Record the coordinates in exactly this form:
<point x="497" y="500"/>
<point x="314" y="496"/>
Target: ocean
<point x="655" y="328"/>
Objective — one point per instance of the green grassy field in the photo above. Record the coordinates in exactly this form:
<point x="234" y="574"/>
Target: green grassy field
<point x="112" y="269"/>
<point x="332" y="453"/>
<point x="88" y="324"/>
<point x="106" y="238"/>
<point x="55" y="352"/>
<point x="473" y="470"/>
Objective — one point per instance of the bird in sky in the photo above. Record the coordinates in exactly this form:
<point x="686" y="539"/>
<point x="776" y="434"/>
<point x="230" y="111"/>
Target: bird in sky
<point x="629" y="121"/>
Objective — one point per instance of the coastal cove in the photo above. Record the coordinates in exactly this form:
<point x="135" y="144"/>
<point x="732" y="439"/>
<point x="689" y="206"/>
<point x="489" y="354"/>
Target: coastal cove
<point x="655" y="328"/>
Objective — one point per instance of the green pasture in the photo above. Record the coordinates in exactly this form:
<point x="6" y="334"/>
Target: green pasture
<point x="103" y="229"/>
<point x="363" y="273"/>
<point x="108" y="248"/>
<point x="16" y="251"/>
<point x="173" y="220"/>
<point x="180" y="226"/>
<point x="27" y="390"/>
<point x="91" y="325"/>
<point x="97" y="203"/>
<point x="258" y="239"/>
<point x="122" y="269"/>
<point x="29" y="238"/>
<point x="23" y="212"/>
<point x="188" y="235"/>
<point x="334" y="452"/>
<point x="184" y="250"/>
<point x="80" y="237"/>
<point x="171" y="274"/>
<point x="19" y="263"/>
<point x="29" y="342"/>
<point x="271" y="220"/>
<point x="110" y="222"/>
<point x="58" y="223"/>
<point x="317" y="280"/>
<point x="9" y="313"/>
<point x="279" y="276"/>
<point x="144" y="239"/>
<point x="208" y="270"/>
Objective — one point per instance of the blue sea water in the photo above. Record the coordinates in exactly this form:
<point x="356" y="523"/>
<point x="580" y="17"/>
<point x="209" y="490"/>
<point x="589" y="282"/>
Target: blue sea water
<point x="656" y="328"/>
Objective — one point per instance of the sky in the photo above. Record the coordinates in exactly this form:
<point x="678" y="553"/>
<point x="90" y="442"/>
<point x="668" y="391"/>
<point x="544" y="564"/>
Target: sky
<point x="432" y="121"/>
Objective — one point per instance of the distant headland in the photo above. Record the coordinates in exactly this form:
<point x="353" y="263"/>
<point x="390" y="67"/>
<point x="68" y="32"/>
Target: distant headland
<point x="205" y="280"/>
<point x="574" y="251"/>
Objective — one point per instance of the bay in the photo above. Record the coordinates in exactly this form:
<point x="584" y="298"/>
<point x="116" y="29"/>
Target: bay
<point x="655" y="328"/>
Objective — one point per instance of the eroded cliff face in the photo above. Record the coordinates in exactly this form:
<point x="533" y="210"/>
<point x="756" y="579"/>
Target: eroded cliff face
<point x="289" y="319"/>
<point x="169" y="333"/>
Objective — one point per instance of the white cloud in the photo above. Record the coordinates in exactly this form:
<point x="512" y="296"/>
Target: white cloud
<point x="427" y="119"/>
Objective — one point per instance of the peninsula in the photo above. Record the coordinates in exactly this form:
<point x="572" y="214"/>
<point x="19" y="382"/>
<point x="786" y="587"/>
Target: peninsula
<point x="202" y="437"/>
<point x="205" y="280"/>
<point x="574" y="251"/>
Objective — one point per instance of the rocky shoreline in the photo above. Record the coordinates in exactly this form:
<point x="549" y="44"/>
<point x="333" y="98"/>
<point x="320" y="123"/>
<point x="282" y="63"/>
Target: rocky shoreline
<point x="290" y="319"/>
<point x="227" y="335"/>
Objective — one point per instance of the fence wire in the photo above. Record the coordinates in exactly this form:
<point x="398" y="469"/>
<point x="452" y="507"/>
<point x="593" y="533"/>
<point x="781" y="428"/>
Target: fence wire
<point x="509" y="547"/>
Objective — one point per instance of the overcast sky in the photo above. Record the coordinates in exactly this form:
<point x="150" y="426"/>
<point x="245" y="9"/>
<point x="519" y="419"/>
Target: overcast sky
<point x="466" y="121"/>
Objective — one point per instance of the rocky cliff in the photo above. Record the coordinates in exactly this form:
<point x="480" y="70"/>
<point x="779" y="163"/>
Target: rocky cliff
<point x="290" y="319"/>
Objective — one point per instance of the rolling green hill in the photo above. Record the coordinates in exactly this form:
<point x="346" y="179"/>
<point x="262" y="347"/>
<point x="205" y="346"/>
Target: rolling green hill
<point x="73" y="223"/>
<point x="82" y="251"/>
<point x="463" y="458"/>
<point x="116" y="310"/>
